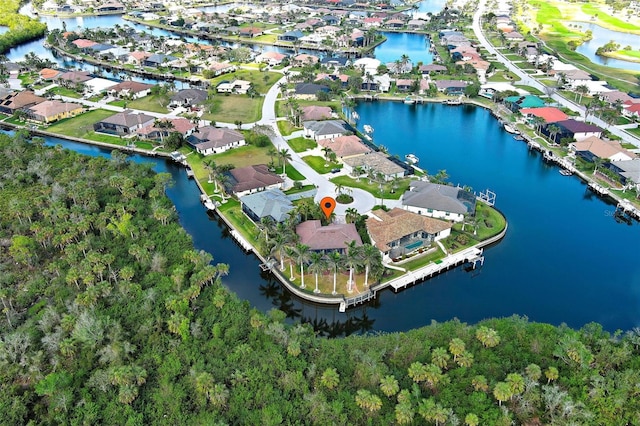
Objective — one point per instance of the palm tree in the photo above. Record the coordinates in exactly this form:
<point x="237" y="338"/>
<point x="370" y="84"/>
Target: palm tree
<point x="553" y="131"/>
<point x="440" y="357"/>
<point x="597" y="162"/>
<point x="487" y="336"/>
<point x="352" y="260"/>
<point x="582" y="90"/>
<point x="471" y="419"/>
<point x="317" y="264"/>
<point x="551" y="374"/>
<point x="326" y="151"/>
<point x="516" y="383"/>
<point x="272" y="153"/>
<point x="334" y="260"/>
<point x="404" y="60"/>
<point x="278" y="244"/>
<point x="456" y="347"/>
<point x="351" y="215"/>
<point x="291" y="255"/>
<point x="370" y="256"/>
<point x="502" y="392"/>
<point x="285" y="156"/>
<point x="389" y="386"/>
<point x="301" y="254"/>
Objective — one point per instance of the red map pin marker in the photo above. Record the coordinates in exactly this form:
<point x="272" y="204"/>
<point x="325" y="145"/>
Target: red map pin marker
<point x="328" y="204"/>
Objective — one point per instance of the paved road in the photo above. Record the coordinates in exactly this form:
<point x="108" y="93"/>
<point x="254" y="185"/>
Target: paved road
<point x="531" y="81"/>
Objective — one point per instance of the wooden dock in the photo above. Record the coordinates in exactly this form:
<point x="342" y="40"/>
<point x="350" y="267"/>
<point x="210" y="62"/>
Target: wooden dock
<point x="626" y="208"/>
<point x="598" y="189"/>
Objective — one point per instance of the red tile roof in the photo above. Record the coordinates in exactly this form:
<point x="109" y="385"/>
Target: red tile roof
<point x="549" y="114"/>
<point x="331" y="237"/>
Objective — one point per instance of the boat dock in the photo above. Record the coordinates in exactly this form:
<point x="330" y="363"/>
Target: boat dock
<point x="625" y="207"/>
<point x="598" y="189"/>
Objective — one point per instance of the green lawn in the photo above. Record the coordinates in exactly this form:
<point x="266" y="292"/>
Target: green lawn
<point x="286" y="128"/>
<point x="614" y="22"/>
<point x="63" y="91"/>
<point x="243" y="156"/>
<point x="302" y="189"/>
<point x="301" y="144"/>
<point x="320" y="164"/>
<point x="232" y="211"/>
<point x="229" y="109"/>
<point x="261" y="80"/>
<point x="154" y="103"/>
<point x="374" y="188"/>
<point x="80" y="126"/>
<point x="292" y="173"/>
<point x="491" y="222"/>
<point x="635" y="132"/>
<point x="421" y="261"/>
<point x="530" y="89"/>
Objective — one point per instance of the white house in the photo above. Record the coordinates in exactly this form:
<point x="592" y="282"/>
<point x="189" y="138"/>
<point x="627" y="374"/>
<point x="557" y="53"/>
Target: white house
<point x="213" y="140"/>
<point x="439" y="201"/>
<point x="240" y="87"/>
<point x="326" y="129"/>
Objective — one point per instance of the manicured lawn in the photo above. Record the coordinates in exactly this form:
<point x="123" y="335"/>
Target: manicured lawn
<point x="421" y="261"/>
<point x="530" y="89"/>
<point x="63" y="91"/>
<point x="233" y="212"/>
<point x="635" y="131"/>
<point x="301" y="144"/>
<point x="629" y="145"/>
<point x="286" y="128"/>
<point x="292" y="173"/>
<point x="593" y="9"/>
<point x="243" y="156"/>
<point x="320" y="164"/>
<point x="491" y="222"/>
<point x="374" y="188"/>
<point x="155" y="103"/>
<point x="82" y="125"/>
<point x="514" y="57"/>
<point x="302" y="189"/>
<point x="229" y="109"/>
<point x="261" y="80"/>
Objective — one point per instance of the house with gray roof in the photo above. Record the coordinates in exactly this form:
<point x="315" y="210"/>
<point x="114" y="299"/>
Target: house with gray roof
<point x="214" y="140"/>
<point x="628" y="170"/>
<point x="272" y="203"/>
<point x="158" y="59"/>
<point x="123" y="123"/>
<point x="291" y="35"/>
<point x="439" y="201"/>
<point x="188" y="98"/>
<point x="309" y="90"/>
<point x="375" y="162"/>
<point x="327" y="129"/>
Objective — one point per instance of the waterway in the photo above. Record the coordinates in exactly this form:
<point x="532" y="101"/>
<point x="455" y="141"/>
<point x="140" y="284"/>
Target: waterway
<point x="415" y="46"/>
<point x="602" y="36"/>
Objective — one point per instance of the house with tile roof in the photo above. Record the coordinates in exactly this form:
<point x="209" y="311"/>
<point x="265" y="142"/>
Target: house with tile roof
<point x="188" y="98"/>
<point x="572" y="129"/>
<point x="180" y="125"/>
<point x="327" y="129"/>
<point x="50" y="111"/>
<point x="19" y="101"/>
<point x="272" y="203"/>
<point x="251" y="179"/>
<point x="137" y="57"/>
<point x="345" y="146"/>
<point x="214" y="140"/>
<point x="130" y="89"/>
<point x="73" y="78"/>
<point x="375" y="162"/>
<point x="123" y="123"/>
<point x="304" y="59"/>
<point x="593" y="147"/>
<point x="439" y="201"/>
<point x="399" y="232"/>
<point x="316" y="112"/>
<point x="548" y="114"/>
<point x="271" y="58"/>
<point x="333" y="237"/>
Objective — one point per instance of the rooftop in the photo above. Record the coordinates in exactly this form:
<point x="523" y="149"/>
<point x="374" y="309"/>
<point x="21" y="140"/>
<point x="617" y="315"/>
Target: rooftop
<point x="331" y="237"/>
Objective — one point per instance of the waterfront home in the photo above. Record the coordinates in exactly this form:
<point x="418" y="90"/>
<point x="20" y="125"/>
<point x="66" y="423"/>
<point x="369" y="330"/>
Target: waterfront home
<point x="375" y="163"/>
<point x="593" y="147"/>
<point x="248" y="180"/>
<point x="399" y="232"/>
<point x="367" y="65"/>
<point x="123" y="123"/>
<point x="73" y="78"/>
<point x="548" y="114"/>
<point x="83" y="44"/>
<point x="188" y="98"/>
<point x="432" y="69"/>
<point x="304" y="59"/>
<point x="345" y="146"/>
<point x="214" y="140"/>
<point x="315" y="112"/>
<point x="220" y="68"/>
<point x="271" y="58"/>
<point x="416" y="24"/>
<point x="309" y="91"/>
<point x="327" y="129"/>
<point x="137" y="58"/>
<point x="343" y="78"/>
<point x="515" y="103"/>
<point x="372" y="22"/>
<point x="439" y="201"/>
<point x="50" y="111"/>
<point x="110" y="7"/>
<point x="333" y="237"/>
<point x="272" y="203"/>
<point x="451" y="87"/>
<point x="627" y="170"/>
<point x="18" y="101"/>
<point x="178" y="125"/>
<point x="157" y="59"/>
<point x="250" y="32"/>
<point x="571" y="129"/>
<point x="240" y="87"/>
<point x="130" y="90"/>
<point x="97" y="85"/>
<point x="405" y="85"/>
<point x="293" y="35"/>
<point x="335" y="62"/>
<point x="48" y="74"/>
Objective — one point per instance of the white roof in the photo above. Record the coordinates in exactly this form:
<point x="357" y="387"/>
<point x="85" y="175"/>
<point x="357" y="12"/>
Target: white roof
<point x="369" y="65"/>
<point x="97" y="85"/>
<point x="503" y="86"/>
<point x="561" y="66"/>
<point x="595" y="86"/>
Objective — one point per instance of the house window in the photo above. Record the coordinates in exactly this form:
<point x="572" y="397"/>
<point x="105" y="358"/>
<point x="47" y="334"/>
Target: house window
<point x="429" y="210"/>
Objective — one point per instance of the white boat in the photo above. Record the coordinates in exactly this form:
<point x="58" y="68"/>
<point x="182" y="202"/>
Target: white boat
<point x="510" y="129"/>
<point x="367" y="137"/>
<point x="411" y="159"/>
<point x="565" y="172"/>
<point x="367" y="128"/>
<point x="409" y="101"/>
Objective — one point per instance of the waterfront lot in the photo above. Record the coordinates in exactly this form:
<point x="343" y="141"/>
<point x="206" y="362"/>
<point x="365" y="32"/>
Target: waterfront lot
<point x="233" y="108"/>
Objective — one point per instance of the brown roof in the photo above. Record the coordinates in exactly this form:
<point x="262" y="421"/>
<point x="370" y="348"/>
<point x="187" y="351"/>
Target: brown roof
<point x="82" y="43"/>
<point x="253" y="177"/>
<point x="21" y="100"/>
<point x="180" y="125"/>
<point x="48" y="73"/>
<point x="131" y="86"/>
<point x="331" y="237"/>
<point x="75" y="76"/>
<point x="314" y="112"/>
<point x="53" y="108"/>
<point x="375" y="161"/>
<point x="128" y="118"/>
<point x="386" y="227"/>
<point x="215" y="137"/>
<point x="345" y="146"/>
<point x="601" y="148"/>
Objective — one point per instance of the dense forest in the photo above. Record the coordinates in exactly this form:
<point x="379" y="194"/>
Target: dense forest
<point x="21" y="28"/>
<point x="111" y="317"/>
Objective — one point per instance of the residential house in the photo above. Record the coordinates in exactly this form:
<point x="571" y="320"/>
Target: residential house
<point x="112" y="7"/>
<point x="367" y="65"/>
<point x="631" y="110"/>
<point x="327" y="129"/>
<point x="375" y="163"/>
<point x="188" y="98"/>
<point x="213" y="140"/>
<point x="48" y="74"/>
<point x="439" y="201"/>
<point x="345" y="146"/>
<point x="73" y="78"/>
<point x="158" y="60"/>
<point x="333" y="237"/>
<point x="593" y="147"/>
<point x="123" y="123"/>
<point x="271" y="58"/>
<point x="272" y="204"/>
<point x="573" y="77"/>
<point x="251" y="179"/>
<point x="451" y="87"/>
<point x="291" y="36"/>
<point x="98" y="85"/>
<point x="548" y="114"/>
<point x="83" y="44"/>
<point x="513" y="36"/>
<point x="416" y="25"/>
<point x="304" y="59"/>
<point x="515" y="103"/>
<point x="314" y="113"/>
<point x="432" y="69"/>
<point x="372" y="22"/>
<point x="240" y="87"/>
<point x="627" y="170"/>
<point x="335" y="62"/>
<point x="220" y="68"/>
<point x="19" y="101"/>
<point x="331" y="20"/>
<point x="309" y="91"/>
<point x="250" y="32"/>
<point x="178" y="125"/>
<point x="130" y="90"/>
<point x="405" y="85"/>
<point x="394" y="24"/>
<point x="614" y="97"/>
<point x="137" y="57"/>
<point x="50" y="111"/>
<point x="399" y="232"/>
<point x="572" y="129"/>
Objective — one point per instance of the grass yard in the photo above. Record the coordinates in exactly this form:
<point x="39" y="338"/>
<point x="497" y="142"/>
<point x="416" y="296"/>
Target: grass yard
<point x="292" y="173"/>
<point x="423" y="260"/>
<point x="298" y="190"/>
<point x="261" y="80"/>
<point x="374" y="188"/>
<point x="154" y="103"/>
<point x="491" y="221"/>
<point x="243" y="156"/>
<point x="232" y="211"/>
<point x="530" y="89"/>
<point x="286" y="128"/>
<point x="320" y="164"/>
<point x="229" y="109"/>
<point x="301" y="144"/>
<point x="635" y="132"/>
<point x="63" y="91"/>
<point x="608" y="20"/>
<point x="81" y="126"/>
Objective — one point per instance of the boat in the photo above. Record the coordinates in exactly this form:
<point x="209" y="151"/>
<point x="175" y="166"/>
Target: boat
<point x="367" y="137"/>
<point x="518" y="137"/>
<point x="511" y="129"/>
<point x="452" y="102"/>
<point x="367" y="128"/>
<point x="565" y="172"/>
<point x="411" y="159"/>
<point x="409" y="101"/>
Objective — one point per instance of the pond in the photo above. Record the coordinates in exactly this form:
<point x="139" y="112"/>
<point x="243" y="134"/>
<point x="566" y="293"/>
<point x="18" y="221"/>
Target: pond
<point x="416" y="46"/>
<point x="602" y="36"/>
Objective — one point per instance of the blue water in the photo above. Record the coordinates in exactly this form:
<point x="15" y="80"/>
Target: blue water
<point x="564" y="259"/>
<point x="3" y="29"/>
<point x="416" y="46"/>
<point x="431" y="6"/>
<point x="602" y="36"/>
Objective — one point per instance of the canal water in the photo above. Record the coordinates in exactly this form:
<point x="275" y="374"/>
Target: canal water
<point x="415" y="46"/>
<point x="602" y="36"/>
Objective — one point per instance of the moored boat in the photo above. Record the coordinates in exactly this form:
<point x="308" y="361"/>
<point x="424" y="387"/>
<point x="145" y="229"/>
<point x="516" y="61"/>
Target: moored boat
<point x="409" y="101"/>
<point x="411" y="159"/>
<point x="511" y="129"/>
<point x="367" y="128"/>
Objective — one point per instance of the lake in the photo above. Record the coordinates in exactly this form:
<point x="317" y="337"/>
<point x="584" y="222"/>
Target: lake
<point x="602" y="36"/>
<point x="416" y="46"/>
